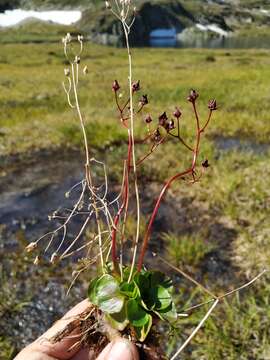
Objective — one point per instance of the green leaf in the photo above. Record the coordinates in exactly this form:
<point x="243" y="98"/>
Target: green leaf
<point x="126" y="273"/>
<point x="118" y="321"/>
<point x="143" y="282"/>
<point x="91" y="292"/>
<point x="104" y="292"/>
<point x="169" y="314"/>
<point x="130" y="290"/>
<point x="106" y="287"/>
<point x="136" y="314"/>
<point x="157" y="298"/>
<point x="143" y="331"/>
<point x="113" y="305"/>
<point x="157" y="278"/>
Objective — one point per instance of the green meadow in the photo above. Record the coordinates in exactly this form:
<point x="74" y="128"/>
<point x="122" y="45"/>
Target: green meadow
<point x="231" y="203"/>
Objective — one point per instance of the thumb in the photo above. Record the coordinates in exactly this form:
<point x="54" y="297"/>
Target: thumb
<point x="120" y="349"/>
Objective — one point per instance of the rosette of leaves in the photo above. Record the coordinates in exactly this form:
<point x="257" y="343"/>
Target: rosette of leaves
<point x="135" y="303"/>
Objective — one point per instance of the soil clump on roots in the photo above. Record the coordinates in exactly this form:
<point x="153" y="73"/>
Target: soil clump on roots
<point x="94" y="333"/>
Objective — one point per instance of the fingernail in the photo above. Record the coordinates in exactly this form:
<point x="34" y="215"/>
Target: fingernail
<point x="121" y="350"/>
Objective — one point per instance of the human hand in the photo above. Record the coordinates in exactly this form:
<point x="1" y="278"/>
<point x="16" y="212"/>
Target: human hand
<point x="42" y="349"/>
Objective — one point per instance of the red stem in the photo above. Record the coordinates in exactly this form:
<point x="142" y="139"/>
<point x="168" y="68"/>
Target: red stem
<point x="168" y="184"/>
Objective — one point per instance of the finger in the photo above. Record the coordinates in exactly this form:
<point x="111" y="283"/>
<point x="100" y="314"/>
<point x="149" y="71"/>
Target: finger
<point x="82" y="355"/>
<point x="60" y="350"/>
<point x="120" y="349"/>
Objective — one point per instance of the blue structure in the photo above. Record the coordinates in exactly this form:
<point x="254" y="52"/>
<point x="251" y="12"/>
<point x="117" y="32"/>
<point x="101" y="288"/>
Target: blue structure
<point x="163" y="38"/>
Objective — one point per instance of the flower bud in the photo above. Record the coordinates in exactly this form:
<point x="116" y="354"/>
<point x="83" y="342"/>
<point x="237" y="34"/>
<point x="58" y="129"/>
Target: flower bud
<point x="205" y="164"/>
<point x="157" y="136"/>
<point x="193" y="96"/>
<point x="212" y="105"/>
<point x="148" y="119"/>
<point x="177" y="113"/>
<point x="115" y="86"/>
<point x="144" y="100"/>
<point x="136" y="86"/>
<point x="163" y="119"/>
<point x="169" y="125"/>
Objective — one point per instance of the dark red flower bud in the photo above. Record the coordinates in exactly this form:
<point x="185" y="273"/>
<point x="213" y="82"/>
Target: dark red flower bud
<point x="205" y="164"/>
<point x="170" y="125"/>
<point x="115" y="86"/>
<point x="144" y="100"/>
<point x="157" y="136"/>
<point x="163" y="119"/>
<point x="193" y="96"/>
<point x="136" y="86"/>
<point x="148" y="119"/>
<point x="212" y="105"/>
<point x="177" y="113"/>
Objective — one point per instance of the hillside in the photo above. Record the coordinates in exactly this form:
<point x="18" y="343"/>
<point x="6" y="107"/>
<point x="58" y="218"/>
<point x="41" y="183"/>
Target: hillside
<point x="196" y="21"/>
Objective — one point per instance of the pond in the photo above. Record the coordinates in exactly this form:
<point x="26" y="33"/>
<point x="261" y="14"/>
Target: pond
<point x="64" y="17"/>
<point x="206" y="36"/>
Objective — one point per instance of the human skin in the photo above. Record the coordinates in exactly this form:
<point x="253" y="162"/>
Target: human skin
<point x="42" y="349"/>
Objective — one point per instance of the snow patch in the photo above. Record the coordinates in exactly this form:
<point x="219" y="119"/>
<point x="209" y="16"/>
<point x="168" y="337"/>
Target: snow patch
<point x="13" y="17"/>
<point x="212" y="27"/>
<point x="264" y="11"/>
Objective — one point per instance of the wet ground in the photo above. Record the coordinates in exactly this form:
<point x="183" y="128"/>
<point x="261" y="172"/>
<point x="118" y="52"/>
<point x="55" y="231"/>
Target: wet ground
<point x="34" y="188"/>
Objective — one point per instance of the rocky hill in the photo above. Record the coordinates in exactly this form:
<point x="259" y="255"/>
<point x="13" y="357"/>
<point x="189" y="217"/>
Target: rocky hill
<point x="194" y="20"/>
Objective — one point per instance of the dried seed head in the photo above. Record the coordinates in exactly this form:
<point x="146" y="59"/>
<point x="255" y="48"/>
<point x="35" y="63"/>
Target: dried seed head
<point x="212" y="105"/>
<point x="31" y="247"/>
<point x="115" y="86"/>
<point x="37" y="260"/>
<point x="144" y="100"/>
<point x="67" y="72"/>
<point x="148" y="119"/>
<point x="54" y="258"/>
<point x="67" y="39"/>
<point x="193" y="96"/>
<point x="108" y="5"/>
<point x="85" y="70"/>
<point x="163" y="119"/>
<point x="205" y="164"/>
<point x="136" y="86"/>
<point x="80" y="38"/>
<point x="177" y="113"/>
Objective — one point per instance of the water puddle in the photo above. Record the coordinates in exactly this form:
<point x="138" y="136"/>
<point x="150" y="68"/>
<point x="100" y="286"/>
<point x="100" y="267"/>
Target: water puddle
<point x="235" y="144"/>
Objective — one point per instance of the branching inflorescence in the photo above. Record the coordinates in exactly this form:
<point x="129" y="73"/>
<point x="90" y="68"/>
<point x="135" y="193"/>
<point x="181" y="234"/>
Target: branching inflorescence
<point x="123" y="289"/>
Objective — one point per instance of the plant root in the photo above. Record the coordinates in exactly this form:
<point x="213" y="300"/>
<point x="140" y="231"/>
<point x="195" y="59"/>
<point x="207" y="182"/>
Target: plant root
<point x="93" y="332"/>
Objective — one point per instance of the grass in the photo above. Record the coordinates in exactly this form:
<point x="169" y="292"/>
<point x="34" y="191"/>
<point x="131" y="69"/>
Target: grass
<point x="233" y="195"/>
<point x="186" y="250"/>
<point x="35" y="115"/>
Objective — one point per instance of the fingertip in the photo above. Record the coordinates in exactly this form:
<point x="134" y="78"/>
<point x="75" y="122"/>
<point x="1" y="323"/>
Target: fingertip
<point x="120" y="349"/>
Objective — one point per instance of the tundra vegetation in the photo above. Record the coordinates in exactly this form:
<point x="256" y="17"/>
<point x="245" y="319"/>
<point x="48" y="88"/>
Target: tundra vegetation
<point x="232" y="191"/>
